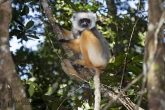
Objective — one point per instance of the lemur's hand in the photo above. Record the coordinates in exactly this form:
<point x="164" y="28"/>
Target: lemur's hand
<point x="63" y="41"/>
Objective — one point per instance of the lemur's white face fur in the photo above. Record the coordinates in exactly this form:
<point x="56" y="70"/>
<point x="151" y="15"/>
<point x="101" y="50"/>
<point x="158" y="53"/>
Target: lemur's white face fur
<point x="83" y="20"/>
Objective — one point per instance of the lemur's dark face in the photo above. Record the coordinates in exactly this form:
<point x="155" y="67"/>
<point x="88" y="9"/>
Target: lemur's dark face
<point x="83" y="20"/>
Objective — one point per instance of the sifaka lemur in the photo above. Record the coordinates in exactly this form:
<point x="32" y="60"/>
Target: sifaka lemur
<point x="86" y="40"/>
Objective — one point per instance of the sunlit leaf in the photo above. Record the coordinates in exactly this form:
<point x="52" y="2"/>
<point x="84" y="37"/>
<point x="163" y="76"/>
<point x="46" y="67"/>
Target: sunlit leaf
<point x="31" y="89"/>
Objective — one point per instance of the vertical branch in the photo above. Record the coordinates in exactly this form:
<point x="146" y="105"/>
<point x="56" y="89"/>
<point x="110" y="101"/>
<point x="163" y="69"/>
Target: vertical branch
<point x="154" y="58"/>
<point x="125" y="59"/>
<point x="7" y="68"/>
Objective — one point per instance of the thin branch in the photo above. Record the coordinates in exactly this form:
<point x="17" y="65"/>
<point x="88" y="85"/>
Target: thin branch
<point x="69" y="96"/>
<point x="125" y="59"/>
<point x="118" y="96"/>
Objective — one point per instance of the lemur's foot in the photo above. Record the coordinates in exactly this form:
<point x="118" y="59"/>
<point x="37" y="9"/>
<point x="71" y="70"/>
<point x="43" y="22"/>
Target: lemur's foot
<point x="77" y="66"/>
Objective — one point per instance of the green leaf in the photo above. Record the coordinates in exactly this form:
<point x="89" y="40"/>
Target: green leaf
<point x="134" y="69"/>
<point x="138" y="59"/>
<point x="90" y="101"/>
<point x="55" y="105"/>
<point x="78" y="103"/>
<point x="32" y="79"/>
<point x="130" y="91"/>
<point x="25" y="38"/>
<point x="129" y="57"/>
<point x="31" y="89"/>
<point x="87" y="6"/>
<point x="80" y="7"/>
<point x="25" y="10"/>
<point x="48" y="97"/>
<point x="119" y="59"/>
<point x="29" y="24"/>
<point x="15" y="32"/>
<point x="19" y="22"/>
<point x="21" y="28"/>
<point x="91" y="83"/>
<point x="27" y="1"/>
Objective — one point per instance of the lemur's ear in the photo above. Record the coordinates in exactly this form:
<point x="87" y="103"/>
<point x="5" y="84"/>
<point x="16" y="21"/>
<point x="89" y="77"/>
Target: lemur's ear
<point x="73" y="17"/>
<point x="95" y="17"/>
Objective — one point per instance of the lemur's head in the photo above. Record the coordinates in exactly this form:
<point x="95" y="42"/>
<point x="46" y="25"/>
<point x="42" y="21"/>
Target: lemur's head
<point x="83" y="20"/>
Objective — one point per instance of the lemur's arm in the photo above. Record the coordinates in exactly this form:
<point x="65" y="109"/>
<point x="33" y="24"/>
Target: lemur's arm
<point x="73" y="44"/>
<point x="68" y="34"/>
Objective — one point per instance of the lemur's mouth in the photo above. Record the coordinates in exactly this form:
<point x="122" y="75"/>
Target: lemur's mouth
<point x="85" y="22"/>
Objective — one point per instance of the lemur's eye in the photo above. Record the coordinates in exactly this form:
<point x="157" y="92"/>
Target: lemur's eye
<point x="85" y="20"/>
<point x="81" y="20"/>
<point x="88" y="20"/>
<point x="74" y="17"/>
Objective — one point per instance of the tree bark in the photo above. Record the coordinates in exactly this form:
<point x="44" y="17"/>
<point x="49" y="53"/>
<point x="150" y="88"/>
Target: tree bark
<point x="111" y="7"/>
<point x="154" y="59"/>
<point x="12" y="91"/>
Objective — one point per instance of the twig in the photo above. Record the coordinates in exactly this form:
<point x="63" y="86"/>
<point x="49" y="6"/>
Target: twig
<point x="125" y="59"/>
<point x="115" y="97"/>
<point x="69" y="96"/>
<point x="157" y="30"/>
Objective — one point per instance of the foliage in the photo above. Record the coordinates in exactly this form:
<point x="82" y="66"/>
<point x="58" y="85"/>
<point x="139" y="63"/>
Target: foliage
<point x="46" y="84"/>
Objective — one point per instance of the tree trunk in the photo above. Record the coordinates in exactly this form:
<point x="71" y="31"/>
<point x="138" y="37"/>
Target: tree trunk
<point x="111" y="7"/>
<point x="11" y="88"/>
<point x="154" y="59"/>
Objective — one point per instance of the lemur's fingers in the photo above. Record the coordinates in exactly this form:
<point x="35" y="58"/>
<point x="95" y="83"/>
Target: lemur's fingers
<point x="79" y="62"/>
<point x="63" y="41"/>
<point x="78" y="67"/>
